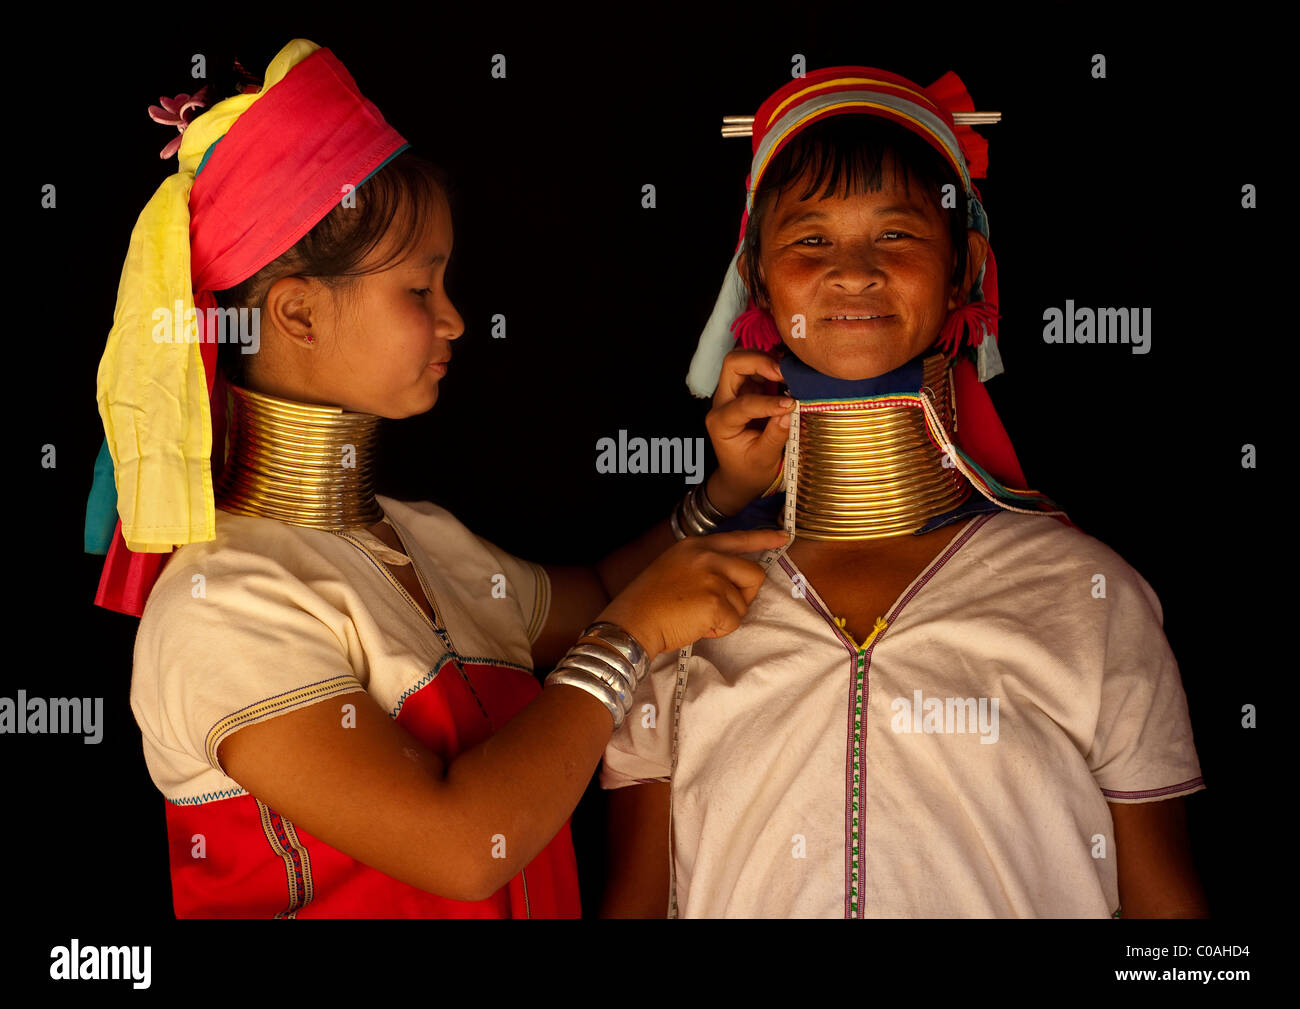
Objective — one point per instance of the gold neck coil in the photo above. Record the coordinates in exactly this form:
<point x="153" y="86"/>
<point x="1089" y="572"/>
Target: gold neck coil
<point x="870" y="471"/>
<point x="305" y="465"/>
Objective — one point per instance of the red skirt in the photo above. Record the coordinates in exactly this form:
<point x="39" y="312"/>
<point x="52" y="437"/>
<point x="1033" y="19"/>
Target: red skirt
<point x="255" y="863"/>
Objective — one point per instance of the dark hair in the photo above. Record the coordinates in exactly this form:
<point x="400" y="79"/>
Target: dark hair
<point x="853" y="148"/>
<point x="334" y="248"/>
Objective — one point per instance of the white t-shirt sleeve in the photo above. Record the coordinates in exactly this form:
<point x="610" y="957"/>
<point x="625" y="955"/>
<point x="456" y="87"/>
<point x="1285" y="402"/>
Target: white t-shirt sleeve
<point x="1142" y="747"/>
<point x="641" y="749"/>
<point x="246" y="644"/>
<point x="525" y="582"/>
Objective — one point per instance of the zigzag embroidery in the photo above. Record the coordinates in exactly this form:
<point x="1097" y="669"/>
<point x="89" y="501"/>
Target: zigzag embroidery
<point x="208" y="797"/>
<point x="428" y="677"/>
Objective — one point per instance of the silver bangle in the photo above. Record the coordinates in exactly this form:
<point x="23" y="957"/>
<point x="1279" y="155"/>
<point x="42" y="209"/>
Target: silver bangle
<point x="677" y="528"/>
<point x="708" y="510"/>
<point x="688" y="522"/>
<point x="605" y="670"/>
<point x="692" y="521"/>
<point x="699" y="517"/>
<point x="623" y="643"/>
<point x="597" y="688"/>
<point x="689" y="518"/>
<point x="605" y="653"/>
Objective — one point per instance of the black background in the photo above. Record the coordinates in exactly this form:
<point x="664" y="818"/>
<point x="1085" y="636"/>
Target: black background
<point x="1123" y="192"/>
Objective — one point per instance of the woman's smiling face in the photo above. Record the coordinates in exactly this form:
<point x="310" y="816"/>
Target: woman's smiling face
<point x="886" y="254"/>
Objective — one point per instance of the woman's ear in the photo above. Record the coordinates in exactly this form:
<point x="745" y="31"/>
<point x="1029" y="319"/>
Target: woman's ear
<point x="759" y="299"/>
<point x="977" y="250"/>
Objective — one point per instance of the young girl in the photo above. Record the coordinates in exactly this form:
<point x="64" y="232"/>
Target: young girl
<point x="334" y="688"/>
<point x="946" y="700"/>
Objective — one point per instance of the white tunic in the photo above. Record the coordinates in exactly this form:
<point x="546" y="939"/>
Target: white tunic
<point x="269" y="617"/>
<point x="958" y="766"/>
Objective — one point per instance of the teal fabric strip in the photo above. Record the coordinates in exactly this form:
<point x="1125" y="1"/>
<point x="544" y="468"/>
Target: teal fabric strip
<point x="207" y="154"/>
<point x="382" y="163"/>
<point x="101" y="508"/>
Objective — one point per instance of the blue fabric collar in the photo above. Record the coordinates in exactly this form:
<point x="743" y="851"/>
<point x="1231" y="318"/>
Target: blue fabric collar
<point x="805" y="383"/>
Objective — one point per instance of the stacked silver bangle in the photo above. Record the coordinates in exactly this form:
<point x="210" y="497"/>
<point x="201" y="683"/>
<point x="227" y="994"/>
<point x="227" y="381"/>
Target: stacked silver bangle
<point x="695" y="514"/>
<point x="610" y="671"/>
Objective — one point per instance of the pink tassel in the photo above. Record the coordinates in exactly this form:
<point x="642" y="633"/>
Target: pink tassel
<point x="973" y="317"/>
<point x="756" y="329"/>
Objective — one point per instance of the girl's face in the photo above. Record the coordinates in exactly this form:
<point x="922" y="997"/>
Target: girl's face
<point x="886" y="254"/>
<point x="393" y="350"/>
<point x="382" y="347"/>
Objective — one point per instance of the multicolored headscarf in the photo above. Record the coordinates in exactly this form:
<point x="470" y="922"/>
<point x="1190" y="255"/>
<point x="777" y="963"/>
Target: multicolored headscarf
<point x="927" y="112"/>
<point x="256" y="172"/>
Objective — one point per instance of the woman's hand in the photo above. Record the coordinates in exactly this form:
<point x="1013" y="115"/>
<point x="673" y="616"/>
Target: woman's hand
<point x="695" y="589"/>
<point x="748" y="458"/>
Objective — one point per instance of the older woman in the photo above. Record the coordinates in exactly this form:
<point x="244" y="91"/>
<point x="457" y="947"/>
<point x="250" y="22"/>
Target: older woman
<point x="946" y="700"/>
<point x="335" y="689"/>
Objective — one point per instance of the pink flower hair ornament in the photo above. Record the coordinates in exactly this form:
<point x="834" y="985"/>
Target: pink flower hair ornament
<point x="178" y="112"/>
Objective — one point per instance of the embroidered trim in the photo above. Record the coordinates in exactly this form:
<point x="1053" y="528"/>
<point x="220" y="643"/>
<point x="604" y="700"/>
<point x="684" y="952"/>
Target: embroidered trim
<point x="1152" y="793"/>
<point x="861" y="693"/>
<point x="198" y="800"/>
<point x="541" y="601"/>
<point x="435" y="623"/>
<point x="283" y="838"/>
<point x="856" y="403"/>
<point x="427" y="678"/>
<point x="277" y="705"/>
<point x="961" y="539"/>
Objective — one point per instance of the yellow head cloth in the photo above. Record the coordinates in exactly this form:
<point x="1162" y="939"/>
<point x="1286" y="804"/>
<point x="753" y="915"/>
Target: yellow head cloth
<point x="153" y="393"/>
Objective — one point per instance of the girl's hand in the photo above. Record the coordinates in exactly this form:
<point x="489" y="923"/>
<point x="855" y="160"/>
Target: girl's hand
<point x="748" y="458"/>
<point x="695" y="589"/>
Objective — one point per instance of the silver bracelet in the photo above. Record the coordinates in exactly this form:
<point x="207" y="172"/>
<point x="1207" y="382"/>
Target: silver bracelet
<point x="601" y="666"/>
<point x="623" y="643"/>
<point x="677" y="528"/>
<point x="605" y="654"/>
<point x="609" y="671"/>
<point x="707" y="509"/>
<point x="688" y="520"/>
<point x="696" y="514"/>
<point x="597" y="688"/>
